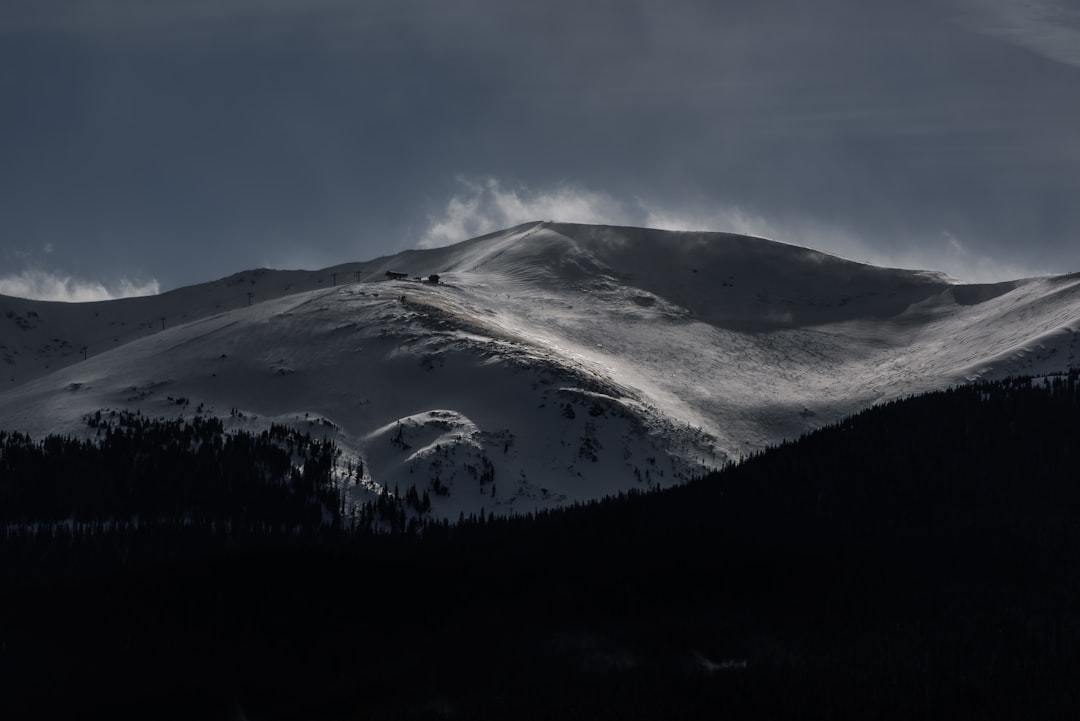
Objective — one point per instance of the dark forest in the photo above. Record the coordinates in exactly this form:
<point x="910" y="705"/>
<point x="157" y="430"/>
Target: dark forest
<point x="918" y="560"/>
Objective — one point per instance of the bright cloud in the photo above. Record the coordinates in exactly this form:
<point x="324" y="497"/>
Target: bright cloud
<point x="45" y="285"/>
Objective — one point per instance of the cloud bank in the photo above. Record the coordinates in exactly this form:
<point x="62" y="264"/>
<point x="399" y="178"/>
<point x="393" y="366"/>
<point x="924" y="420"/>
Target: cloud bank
<point x="45" y="285"/>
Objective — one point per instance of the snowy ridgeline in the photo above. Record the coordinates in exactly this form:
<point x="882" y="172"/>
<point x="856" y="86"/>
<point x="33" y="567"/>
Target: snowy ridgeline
<point x="550" y="363"/>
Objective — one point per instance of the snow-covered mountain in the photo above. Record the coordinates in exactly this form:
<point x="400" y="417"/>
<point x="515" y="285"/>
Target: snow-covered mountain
<point x="551" y="362"/>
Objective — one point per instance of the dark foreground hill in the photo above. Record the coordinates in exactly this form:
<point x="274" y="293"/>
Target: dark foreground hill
<point x="919" y="560"/>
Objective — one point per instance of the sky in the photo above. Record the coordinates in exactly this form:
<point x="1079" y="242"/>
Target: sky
<point x="150" y="144"/>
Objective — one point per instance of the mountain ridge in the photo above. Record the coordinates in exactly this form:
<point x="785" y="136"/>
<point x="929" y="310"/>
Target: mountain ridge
<point x="573" y="360"/>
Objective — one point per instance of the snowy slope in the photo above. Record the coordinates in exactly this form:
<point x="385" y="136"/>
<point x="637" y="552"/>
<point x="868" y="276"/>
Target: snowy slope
<point x="554" y="362"/>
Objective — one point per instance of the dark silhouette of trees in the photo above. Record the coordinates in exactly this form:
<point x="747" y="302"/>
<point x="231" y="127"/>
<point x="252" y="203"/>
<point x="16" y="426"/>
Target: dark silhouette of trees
<point x="162" y="475"/>
<point x="918" y="560"/>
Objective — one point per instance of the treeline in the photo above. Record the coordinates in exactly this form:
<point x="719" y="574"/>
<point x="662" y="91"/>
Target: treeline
<point x="143" y="486"/>
<point x="147" y="471"/>
<point x="143" y="490"/>
<point x="942" y="462"/>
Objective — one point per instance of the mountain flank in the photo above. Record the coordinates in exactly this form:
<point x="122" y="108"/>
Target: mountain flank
<point x="566" y="358"/>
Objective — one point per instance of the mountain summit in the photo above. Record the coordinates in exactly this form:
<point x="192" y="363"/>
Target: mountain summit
<point x="546" y="363"/>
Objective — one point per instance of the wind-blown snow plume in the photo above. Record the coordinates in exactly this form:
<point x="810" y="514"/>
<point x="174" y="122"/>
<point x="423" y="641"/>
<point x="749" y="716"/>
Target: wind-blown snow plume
<point x="946" y="252"/>
<point x="44" y="285"/>
<point x="729" y="220"/>
<point x="486" y="205"/>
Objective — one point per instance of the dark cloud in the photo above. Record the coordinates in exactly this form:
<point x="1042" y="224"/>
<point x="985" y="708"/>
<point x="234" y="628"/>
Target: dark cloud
<point x="188" y="140"/>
